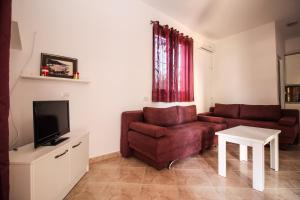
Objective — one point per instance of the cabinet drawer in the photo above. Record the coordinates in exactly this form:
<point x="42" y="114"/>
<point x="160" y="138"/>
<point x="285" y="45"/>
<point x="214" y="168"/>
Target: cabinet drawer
<point x="51" y="174"/>
<point x="79" y="153"/>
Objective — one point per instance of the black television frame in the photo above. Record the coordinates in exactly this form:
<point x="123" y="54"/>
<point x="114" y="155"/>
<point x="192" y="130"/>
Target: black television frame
<point x="54" y="138"/>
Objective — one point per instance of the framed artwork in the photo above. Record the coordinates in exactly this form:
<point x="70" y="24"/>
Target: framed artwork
<point x="58" y="66"/>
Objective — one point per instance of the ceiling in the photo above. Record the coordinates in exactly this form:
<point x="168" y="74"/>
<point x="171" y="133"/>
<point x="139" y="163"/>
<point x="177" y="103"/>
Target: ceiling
<point x="217" y="19"/>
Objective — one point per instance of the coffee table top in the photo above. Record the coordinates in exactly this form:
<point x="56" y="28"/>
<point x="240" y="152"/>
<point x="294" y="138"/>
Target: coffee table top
<point x="255" y="134"/>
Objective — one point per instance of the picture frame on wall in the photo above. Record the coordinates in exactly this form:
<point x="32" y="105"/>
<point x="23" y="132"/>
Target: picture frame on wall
<point x="58" y="66"/>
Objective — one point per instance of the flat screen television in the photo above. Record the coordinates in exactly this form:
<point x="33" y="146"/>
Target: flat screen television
<point x="51" y="121"/>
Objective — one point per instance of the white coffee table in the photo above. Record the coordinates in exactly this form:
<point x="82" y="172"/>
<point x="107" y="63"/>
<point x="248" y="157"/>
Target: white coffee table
<point x="257" y="138"/>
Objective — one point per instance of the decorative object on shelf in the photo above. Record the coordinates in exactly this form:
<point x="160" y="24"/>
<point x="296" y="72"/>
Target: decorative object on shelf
<point x="59" y="66"/>
<point x="76" y="75"/>
<point x="44" y="71"/>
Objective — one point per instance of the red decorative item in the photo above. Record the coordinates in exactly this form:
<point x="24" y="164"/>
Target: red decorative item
<point x="76" y="75"/>
<point x="45" y="71"/>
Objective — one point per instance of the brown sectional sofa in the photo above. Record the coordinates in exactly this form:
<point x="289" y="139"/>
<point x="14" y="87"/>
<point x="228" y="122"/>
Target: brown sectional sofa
<point x="160" y="135"/>
<point x="264" y="116"/>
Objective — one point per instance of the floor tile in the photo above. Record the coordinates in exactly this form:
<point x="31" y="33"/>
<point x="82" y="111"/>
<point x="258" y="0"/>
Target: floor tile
<point x="195" y="177"/>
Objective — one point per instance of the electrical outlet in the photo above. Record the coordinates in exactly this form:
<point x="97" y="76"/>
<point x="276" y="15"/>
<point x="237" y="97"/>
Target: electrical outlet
<point x="65" y="95"/>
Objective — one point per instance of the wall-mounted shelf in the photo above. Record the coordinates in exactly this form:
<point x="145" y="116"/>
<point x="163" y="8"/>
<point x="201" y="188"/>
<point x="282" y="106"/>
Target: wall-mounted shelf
<point x="36" y="77"/>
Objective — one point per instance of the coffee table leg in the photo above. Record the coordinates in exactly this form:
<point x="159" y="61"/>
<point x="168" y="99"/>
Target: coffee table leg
<point x="222" y="156"/>
<point x="243" y="152"/>
<point x="274" y="154"/>
<point x="258" y="167"/>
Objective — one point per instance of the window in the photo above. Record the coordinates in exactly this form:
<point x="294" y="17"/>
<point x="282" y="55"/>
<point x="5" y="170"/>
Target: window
<point x="172" y="65"/>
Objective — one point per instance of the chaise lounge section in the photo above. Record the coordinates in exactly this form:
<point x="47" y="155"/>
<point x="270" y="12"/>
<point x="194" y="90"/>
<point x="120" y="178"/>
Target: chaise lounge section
<point x="160" y="135"/>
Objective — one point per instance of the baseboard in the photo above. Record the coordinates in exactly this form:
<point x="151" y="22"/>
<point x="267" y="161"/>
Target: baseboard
<point x="105" y="157"/>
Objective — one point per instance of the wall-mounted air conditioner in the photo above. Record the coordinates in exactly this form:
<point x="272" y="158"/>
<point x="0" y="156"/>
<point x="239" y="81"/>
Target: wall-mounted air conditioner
<point x="207" y="46"/>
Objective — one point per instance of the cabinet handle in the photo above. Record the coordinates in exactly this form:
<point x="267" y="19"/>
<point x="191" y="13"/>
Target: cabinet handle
<point x="59" y="155"/>
<point x="76" y="145"/>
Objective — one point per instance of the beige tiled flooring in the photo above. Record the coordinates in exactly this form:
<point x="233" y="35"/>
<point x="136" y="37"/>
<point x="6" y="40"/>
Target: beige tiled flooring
<point x="193" y="178"/>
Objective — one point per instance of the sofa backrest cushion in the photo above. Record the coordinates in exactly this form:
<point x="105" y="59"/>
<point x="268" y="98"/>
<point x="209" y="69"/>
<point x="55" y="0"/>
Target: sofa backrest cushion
<point x="227" y="110"/>
<point x="260" y="112"/>
<point x="161" y="116"/>
<point x="187" y="114"/>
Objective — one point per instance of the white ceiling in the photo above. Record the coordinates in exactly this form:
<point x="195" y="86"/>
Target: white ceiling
<point x="220" y="18"/>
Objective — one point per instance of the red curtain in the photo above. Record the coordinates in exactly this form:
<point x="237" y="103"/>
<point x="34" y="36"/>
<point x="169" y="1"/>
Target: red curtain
<point x="5" y="23"/>
<point x="173" y="77"/>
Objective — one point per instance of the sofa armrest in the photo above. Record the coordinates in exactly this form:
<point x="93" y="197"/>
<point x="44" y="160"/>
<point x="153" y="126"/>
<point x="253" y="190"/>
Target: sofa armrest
<point x="206" y="114"/>
<point x="211" y="119"/>
<point x="126" y="119"/>
<point x="290" y="113"/>
<point x="287" y="121"/>
<point x="148" y="129"/>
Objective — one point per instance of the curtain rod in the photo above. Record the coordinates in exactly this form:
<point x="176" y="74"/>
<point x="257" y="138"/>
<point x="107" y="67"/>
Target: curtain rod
<point x="152" y="22"/>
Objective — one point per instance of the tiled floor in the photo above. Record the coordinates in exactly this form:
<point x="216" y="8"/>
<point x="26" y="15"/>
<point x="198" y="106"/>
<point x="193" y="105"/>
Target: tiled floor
<point x="192" y="178"/>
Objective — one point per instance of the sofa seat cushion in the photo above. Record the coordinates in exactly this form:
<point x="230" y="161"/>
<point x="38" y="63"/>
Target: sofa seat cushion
<point x="215" y="126"/>
<point x="288" y="133"/>
<point x="260" y="112"/>
<point x="148" y="129"/>
<point x="187" y="114"/>
<point x="177" y="137"/>
<point x="227" y="110"/>
<point x="207" y="135"/>
<point x="161" y="116"/>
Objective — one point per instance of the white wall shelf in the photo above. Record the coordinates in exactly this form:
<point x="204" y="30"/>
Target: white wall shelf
<point x="36" y="77"/>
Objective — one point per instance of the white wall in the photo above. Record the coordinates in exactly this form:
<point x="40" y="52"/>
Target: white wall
<point x="292" y="63"/>
<point x="292" y="69"/>
<point x="245" y="68"/>
<point x="292" y="45"/>
<point x="113" y="43"/>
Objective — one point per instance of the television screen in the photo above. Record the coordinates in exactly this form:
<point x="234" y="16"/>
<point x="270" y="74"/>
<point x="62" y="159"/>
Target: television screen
<point x="51" y="120"/>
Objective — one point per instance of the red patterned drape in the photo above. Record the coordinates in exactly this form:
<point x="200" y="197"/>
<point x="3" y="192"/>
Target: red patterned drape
<point x="5" y="23"/>
<point x="173" y="76"/>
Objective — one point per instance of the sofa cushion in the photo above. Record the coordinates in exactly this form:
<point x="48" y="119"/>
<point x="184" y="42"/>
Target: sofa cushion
<point x="211" y="119"/>
<point x="161" y="116"/>
<point x="287" y="121"/>
<point x="187" y="114"/>
<point x="148" y="129"/>
<point x="260" y="112"/>
<point x="227" y="110"/>
<point x="177" y="137"/>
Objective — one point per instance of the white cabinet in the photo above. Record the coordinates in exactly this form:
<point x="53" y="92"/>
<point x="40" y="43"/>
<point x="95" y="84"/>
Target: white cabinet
<point x="48" y="172"/>
<point x="51" y="174"/>
<point x="78" y="158"/>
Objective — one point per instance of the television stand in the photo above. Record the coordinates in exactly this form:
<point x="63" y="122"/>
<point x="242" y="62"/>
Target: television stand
<point x="48" y="172"/>
<point x="55" y="141"/>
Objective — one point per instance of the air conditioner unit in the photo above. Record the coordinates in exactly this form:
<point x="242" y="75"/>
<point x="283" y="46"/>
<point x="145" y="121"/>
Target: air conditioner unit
<point x="208" y="47"/>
